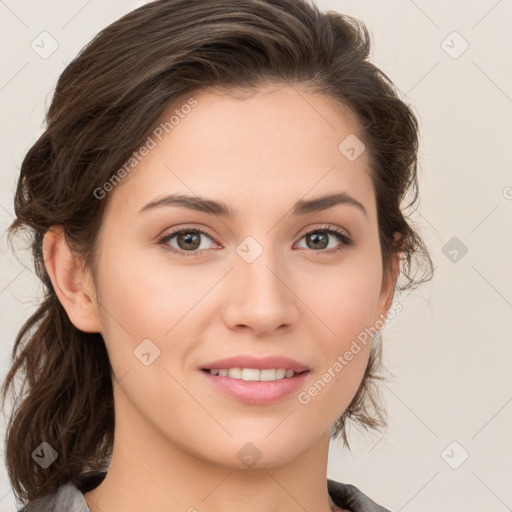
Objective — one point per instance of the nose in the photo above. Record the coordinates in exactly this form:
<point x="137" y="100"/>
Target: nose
<point x="260" y="296"/>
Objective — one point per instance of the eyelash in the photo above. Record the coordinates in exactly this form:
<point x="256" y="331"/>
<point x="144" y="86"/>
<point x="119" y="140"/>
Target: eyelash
<point x="340" y="236"/>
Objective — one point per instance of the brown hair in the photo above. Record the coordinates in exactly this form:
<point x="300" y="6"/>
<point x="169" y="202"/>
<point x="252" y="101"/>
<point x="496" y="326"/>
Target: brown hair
<point x="106" y="102"/>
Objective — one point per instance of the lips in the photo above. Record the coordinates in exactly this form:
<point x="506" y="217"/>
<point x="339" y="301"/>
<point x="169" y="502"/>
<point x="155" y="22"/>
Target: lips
<point x="256" y="392"/>
<point x="265" y="363"/>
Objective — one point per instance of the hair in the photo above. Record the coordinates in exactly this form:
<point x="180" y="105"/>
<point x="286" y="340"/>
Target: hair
<point x="106" y="103"/>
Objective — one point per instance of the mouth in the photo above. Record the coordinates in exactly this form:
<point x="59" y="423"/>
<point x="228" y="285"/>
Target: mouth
<point x="255" y="386"/>
<point x="254" y="374"/>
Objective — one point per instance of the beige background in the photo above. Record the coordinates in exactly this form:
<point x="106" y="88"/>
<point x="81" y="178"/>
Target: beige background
<point x="450" y="349"/>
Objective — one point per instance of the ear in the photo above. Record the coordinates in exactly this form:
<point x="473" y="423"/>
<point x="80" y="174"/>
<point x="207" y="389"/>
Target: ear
<point x="71" y="282"/>
<point x="389" y="280"/>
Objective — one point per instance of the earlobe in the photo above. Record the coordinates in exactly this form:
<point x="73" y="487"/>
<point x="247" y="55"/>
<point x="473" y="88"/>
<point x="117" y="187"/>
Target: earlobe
<point x="71" y="282"/>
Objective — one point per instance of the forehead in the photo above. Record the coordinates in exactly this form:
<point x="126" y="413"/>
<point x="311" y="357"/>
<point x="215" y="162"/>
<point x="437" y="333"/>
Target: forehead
<point x="261" y="148"/>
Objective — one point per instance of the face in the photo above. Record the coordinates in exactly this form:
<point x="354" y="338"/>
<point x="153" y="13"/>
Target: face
<point x="270" y="280"/>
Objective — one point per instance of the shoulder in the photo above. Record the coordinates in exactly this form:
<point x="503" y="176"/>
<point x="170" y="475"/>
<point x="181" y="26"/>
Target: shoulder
<point x="68" y="497"/>
<point x="348" y="496"/>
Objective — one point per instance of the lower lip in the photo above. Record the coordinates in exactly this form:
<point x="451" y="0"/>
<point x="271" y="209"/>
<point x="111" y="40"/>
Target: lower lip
<point x="257" y="392"/>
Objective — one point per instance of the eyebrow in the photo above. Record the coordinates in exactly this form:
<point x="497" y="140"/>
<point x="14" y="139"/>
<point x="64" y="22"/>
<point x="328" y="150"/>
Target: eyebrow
<point x="219" y="208"/>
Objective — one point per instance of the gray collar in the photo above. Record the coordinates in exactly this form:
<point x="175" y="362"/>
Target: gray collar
<point x="70" y="498"/>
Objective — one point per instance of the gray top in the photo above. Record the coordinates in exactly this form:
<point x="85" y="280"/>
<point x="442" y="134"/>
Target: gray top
<point x="70" y="498"/>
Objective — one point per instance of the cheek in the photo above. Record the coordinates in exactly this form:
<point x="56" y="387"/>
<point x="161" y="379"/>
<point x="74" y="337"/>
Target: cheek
<point x="346" y="307"/>
<point x="345" y="304"/>
<point x="156" y="302"/>
<point x="145" y="298"/>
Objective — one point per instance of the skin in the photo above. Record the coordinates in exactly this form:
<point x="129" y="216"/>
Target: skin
<point x="177" y="438"/>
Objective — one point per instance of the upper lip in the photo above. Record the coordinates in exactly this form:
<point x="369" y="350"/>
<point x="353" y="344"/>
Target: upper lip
<point x="262" y="363"/>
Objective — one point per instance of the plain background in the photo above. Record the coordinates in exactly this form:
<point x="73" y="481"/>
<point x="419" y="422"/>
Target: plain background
<point x="448" y="444"/>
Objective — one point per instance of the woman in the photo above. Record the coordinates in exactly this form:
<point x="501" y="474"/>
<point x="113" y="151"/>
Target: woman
<point x="216" y="212"/>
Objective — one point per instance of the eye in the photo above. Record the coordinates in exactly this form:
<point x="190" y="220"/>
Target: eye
<point x="188" y="240"/>
<point x="189" y="243"/>
<point x="319" y="239"/>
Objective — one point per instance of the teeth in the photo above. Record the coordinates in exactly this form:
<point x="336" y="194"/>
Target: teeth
<point x="254" y="374"/>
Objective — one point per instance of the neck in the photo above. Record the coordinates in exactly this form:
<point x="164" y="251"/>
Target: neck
<point x="150" y="472"/>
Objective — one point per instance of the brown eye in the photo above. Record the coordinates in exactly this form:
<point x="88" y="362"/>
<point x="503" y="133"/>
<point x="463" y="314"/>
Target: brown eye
<point x="188" y="241"/>
<point x="318" y="240"/>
